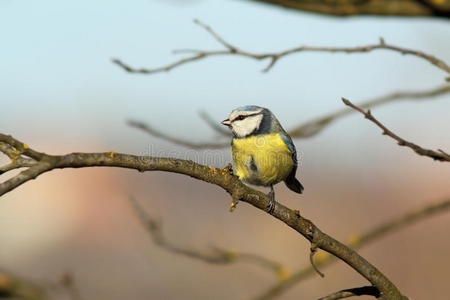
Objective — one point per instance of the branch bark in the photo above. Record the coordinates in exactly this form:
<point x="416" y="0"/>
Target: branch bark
<point x="405" y="8"/>
<point x="220" y="177"/>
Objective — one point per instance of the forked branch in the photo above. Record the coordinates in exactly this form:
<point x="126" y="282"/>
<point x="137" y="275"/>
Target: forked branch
<point x="274" y="57"/>
<point x="215" y="256"/>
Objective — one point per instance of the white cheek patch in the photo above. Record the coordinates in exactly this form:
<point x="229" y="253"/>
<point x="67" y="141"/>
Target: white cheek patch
<point x="245" y="127"/>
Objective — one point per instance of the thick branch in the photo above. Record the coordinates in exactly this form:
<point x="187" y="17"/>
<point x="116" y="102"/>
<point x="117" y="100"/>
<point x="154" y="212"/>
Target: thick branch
<point x="406" y="8"/>
<point x="217" y="256"/>
<point x="356" y="242"/>
<point x="220" y="177"/>
<point x="359" y="291"/>
<point x="306" y="130"/>
<point x="438" y="155"/>
<point x="274" y="57"/>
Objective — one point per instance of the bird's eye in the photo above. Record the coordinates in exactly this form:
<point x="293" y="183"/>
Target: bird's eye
<point x="239" y="118"/>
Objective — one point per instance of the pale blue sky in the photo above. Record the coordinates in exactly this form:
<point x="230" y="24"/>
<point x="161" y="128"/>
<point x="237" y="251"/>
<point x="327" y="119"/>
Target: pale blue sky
<point x="56" y="74"/>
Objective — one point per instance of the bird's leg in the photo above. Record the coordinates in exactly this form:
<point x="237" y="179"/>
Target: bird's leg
<point x="271" y="195"/>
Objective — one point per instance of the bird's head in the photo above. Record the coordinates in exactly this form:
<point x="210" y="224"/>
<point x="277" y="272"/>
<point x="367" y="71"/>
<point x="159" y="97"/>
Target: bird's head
<point x="248" y="120"/>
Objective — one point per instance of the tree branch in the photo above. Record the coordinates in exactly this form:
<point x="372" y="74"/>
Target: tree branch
<point x="217" y="256"/>
<point x="438" y="155"/>
<point x="13" y="287"/>
<point x="359" y="291"/>
<point x="274" y="57"/>
<point x="177" y="141"/>
<point x="220" y="177"/>
<point x="68" y="282"/>
<point x="356" y="242"/>
<point x="306" y="130"/>
<point x="405" y="8"/>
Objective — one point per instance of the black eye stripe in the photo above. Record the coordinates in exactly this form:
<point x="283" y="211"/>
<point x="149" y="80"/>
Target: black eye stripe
<point x="242" y="117"/>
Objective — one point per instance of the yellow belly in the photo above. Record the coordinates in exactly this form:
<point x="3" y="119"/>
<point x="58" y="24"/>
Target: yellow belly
<point x="262" y="159"/>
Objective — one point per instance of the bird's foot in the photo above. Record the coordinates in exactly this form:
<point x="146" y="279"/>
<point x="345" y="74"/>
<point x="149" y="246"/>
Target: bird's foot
<point x="228" y="169"/>
<point x="272" y="202"/>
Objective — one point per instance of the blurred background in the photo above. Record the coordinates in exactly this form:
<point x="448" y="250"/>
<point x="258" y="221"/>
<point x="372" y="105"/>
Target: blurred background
<point x="60" y="93"/>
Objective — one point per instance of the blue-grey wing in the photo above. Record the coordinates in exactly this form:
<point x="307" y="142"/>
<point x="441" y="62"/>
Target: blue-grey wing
<point x="291" y="182"/>
<point x="287" y="139"/>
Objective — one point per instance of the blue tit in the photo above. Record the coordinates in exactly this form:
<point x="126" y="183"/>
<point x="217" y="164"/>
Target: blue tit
<point x="263" y="153"/>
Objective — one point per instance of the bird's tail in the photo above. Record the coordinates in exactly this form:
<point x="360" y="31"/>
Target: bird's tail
<point x="293" y="184"/>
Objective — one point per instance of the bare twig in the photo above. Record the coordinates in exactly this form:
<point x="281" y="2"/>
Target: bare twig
<point x="220" y="177"/>
<point x="312" y="252"/>
<point x="313" y="127"/>
<point x="356" y="242"/>
<point x="274" y="57"/>
<point x="153" y="132"/>
<point x="68" y="282"/>
<point x="359" y="291"/>
<point x="438" y="155"/>
<point x="302" y="131"/>
<point x="217" y="256"/>
<point x="215" y="125"/>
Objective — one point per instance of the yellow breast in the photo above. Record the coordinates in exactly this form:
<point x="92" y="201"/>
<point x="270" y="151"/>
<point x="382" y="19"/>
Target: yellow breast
<point x="262" y="159"/>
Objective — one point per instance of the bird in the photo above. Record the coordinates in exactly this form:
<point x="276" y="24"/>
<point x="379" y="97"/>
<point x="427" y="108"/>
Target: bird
<point x="263" y="152"/>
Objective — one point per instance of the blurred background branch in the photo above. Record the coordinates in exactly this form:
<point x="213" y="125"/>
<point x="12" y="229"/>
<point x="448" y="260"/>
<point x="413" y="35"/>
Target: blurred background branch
<point x="216" y="256"/>
<point x="15" y="287"/>
<point x="406" y="8"/>
<point x="357" y="241"/>
<point x="302" y="131"/>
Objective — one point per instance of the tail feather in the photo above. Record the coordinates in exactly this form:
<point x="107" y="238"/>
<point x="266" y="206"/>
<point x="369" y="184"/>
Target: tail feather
<point x="293" y="184"/>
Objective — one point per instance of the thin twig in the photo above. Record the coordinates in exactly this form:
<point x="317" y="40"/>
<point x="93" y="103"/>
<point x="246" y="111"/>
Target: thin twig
<point x="313" y="250"/>
<point x="306" y="130"/>
<point x="215" y="125"/>
<point x="217" y="256"/>
<point x="216" y="176"/>
<point x="274" y="57"/>
<point x="69" y="283"/>
<point x="438" y="155"/>
<point x="359" y="291"/>
<point x="356" y="242"/>
<point x="153" y="132"/>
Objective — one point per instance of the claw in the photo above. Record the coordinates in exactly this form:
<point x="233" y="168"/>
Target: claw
<point x="229" y="169"/>
<point x="271" y="206"/>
